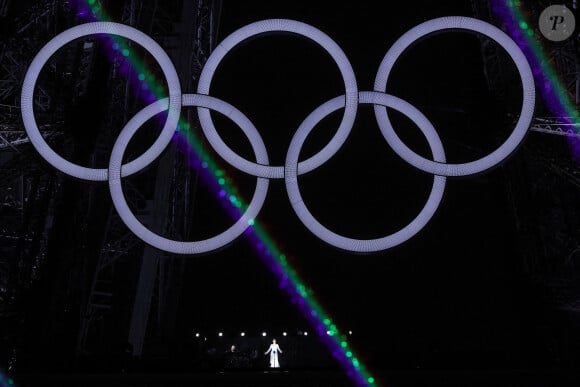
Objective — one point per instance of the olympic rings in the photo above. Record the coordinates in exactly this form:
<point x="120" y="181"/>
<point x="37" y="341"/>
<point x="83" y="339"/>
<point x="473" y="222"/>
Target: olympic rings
<point x="292" y="167"/>
<point x="91" y="29"/>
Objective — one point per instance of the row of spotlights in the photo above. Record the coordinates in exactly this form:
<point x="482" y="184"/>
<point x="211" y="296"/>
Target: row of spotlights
<point x="264" y="334"/>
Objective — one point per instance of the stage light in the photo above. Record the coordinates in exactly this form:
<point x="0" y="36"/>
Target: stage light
<point x="220" y="334"/>
<point x="284" y="334"/>
<point x="264" y="334"/>
<point x="242" y="334"/>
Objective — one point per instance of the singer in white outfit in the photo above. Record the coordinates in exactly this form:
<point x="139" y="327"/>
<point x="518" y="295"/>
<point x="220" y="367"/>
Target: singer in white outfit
<point x="273" y="351"/>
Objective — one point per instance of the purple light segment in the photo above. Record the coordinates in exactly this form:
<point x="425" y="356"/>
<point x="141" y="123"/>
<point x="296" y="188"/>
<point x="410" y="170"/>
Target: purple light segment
<point x="556" y="97"/>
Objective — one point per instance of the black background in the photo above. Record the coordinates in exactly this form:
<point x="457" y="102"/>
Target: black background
<point x="454" y="296"/>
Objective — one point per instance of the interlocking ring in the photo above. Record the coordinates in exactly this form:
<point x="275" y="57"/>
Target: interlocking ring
<point x="68" y="36"/>
<point x="292" y="167"/>
<point x="170" y="245"/>
<point x="361" y="245"/>
<point x="298" y="28"/>
<point x="528" y="103"/>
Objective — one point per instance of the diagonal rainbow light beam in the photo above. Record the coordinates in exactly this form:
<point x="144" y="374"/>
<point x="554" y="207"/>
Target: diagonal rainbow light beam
<point x="557" y="98"/>
<point x="218" y="181"/>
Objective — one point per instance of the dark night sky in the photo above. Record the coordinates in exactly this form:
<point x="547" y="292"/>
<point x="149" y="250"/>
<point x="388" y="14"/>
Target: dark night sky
<point x="454" y="289"/>
<point x="454" y="295"/>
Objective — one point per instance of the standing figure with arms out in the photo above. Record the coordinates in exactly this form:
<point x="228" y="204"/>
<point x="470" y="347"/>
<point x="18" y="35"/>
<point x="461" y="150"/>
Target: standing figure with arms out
<point x="274" y="350"/>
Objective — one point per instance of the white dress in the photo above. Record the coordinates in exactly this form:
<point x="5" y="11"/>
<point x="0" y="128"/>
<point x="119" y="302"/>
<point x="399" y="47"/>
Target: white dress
<point x="274" y="350"/>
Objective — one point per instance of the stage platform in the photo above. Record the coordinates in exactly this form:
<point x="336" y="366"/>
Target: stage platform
<point x="308" y="378"/>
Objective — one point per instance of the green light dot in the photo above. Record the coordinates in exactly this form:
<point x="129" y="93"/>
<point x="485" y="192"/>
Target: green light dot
<point x="523" y="25"/>
<point x="301" y="289"/>
<point x="371" y="379"/>
<point x="343" y="344"/>
<point x="326" y="321"/>
<point x="125" y="52"/>
<point x="348" y="354"/>
<point x="355" y="363"/>
<point x="221" y="181"/>
<point x="141" y="76"/>
<point x="530" y="32"/>
<point x="219" y="172"/>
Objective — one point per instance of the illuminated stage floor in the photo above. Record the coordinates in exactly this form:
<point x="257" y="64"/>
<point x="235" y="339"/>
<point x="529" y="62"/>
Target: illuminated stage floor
<point x="309" y="378"/>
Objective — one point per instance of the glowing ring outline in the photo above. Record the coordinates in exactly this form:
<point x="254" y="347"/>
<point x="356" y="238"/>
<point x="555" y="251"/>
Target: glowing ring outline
<point x="291" y="181"/>
<point x="363" y="245"/>
<point x="65" y="37"/>
<point x="153" y="239"/>
<point x="528" y="101"/>
<point x="299" y="28"/>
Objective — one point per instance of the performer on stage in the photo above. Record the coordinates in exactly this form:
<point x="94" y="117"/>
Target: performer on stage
<point x="274" y="349"/>
<point x="231" y="358"/>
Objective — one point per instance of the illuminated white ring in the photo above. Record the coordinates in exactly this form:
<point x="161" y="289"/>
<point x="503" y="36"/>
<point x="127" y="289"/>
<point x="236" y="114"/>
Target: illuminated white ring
<point x="528" y="103"/>
<point x="279" y="25"/>
<point x="363" y="245"/>
<point x="156" y="240"/>
<point x="69" y="35"/>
